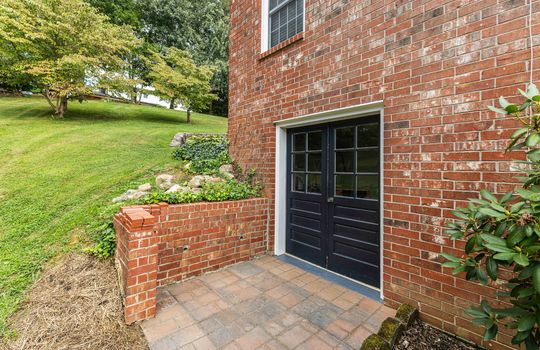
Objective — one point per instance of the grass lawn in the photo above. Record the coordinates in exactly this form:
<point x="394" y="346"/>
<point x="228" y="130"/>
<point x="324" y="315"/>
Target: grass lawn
<point x="57" y="177"/>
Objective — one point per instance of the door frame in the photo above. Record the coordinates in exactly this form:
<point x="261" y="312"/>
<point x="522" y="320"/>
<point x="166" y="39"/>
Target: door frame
<point x="341" y="114"/>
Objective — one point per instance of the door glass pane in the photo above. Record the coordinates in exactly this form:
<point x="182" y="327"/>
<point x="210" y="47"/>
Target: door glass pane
<point x="299" y="143"/>
<point x="368" y="135"/>
<point x="314" y="183"/>
<point x="345" y="137"/>
<point x="299" y="162"/>
<point x="314" y="162"/>
<point x="345" y="162"/>
<point x="344" y="185"/>
<point x="367" y="160"/>
<point x="367" y="186"/>
<point x="315" y="141"/>
<point x="299" y="182"/>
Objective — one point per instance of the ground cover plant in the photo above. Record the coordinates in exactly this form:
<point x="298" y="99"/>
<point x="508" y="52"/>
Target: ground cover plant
<point x="502" y="234"/>
<point x="57" y="177"/>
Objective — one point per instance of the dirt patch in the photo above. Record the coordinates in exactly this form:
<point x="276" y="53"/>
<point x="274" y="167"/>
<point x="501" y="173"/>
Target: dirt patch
<point x="421" y="336"/>
<point x="75" y="304"/>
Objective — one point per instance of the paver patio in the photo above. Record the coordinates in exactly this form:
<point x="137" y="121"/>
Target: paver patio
<point x="262" y="304"/>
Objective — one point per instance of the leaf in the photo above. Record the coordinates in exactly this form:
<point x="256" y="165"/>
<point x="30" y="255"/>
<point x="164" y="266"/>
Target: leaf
<point x="499" y="248"/>
<point x="516" y="207"/>
<point x="487" y="195"/>
<point x="492" y="213"/>
<point x="493" y="239"/>
<point x="526" y="323"/>
<point x="532" y="91"/>
<point x="497" y="207"/>
<point x="521" y="259"/>
<point x="476" y="313"/>
<point x="532" y="140"/>
<point x="491" y="332"/>
<point x="536" y="278"/>
<point x="492" y="268"/>
<point x="504" y="256"/>
<point x="498" y="110"/>
<point x="503" y="102"/>
<point x="482" y="277"/>
<point x="534" y="155"/>
<point x="519" y="132"/>
<point x="450" y="257"/>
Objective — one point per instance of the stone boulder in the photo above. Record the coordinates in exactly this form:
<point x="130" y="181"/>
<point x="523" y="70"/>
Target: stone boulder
<point x="179" y="139"/>
<point x="227" y="171"/>
<point x="178" y="189"/>
<point x="145" y="187"/>
<point x="130" y="195"/>
<point x="199" y="180"/>
<point x="164" y="181"/>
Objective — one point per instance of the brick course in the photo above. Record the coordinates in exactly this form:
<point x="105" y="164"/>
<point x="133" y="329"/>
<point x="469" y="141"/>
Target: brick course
<point x="436" y="65"/>
<point x="162" y="244"/>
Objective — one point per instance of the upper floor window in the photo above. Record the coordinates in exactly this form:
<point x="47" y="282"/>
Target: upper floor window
<point x="285" y="20"/>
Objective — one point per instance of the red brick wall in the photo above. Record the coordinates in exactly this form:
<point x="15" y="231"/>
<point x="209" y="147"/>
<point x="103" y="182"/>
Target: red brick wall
<point x="162" y="244"/>
<point x="436" y="65"/>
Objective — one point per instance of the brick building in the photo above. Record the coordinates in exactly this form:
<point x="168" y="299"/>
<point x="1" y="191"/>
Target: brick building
<point x="367" y="122"/>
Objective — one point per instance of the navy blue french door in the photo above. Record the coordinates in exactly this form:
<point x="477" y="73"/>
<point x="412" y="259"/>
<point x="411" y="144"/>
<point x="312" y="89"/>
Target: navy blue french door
<point x="333" y="197"/>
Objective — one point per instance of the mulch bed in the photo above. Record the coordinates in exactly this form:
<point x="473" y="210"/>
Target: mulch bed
<point x="421" y="336"/>
<point x="75" y="304"/>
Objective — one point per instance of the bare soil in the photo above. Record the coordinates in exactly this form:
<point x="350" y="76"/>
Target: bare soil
<point x="421" y="336"/>
<point x="75" y="304"/>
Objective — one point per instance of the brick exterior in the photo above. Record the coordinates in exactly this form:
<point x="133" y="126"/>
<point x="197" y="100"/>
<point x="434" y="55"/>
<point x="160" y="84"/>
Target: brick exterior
<point x="436" y="65"/>
<point x="162" y="244"/>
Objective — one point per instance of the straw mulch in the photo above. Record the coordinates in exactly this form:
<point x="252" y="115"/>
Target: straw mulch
<point x="75" y="304"/>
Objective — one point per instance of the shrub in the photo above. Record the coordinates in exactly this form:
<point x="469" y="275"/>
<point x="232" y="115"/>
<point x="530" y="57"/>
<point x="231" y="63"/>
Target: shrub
<point x="212" y="192"/>
<point x="503" y="233"/>
<point x="206" y="153"/>
<point x="105" y="243"/>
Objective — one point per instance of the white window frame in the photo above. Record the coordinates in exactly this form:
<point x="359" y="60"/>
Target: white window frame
<point x="265" y="24"/>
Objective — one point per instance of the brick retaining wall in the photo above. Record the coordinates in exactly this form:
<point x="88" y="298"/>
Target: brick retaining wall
<point x="162" y="244"/>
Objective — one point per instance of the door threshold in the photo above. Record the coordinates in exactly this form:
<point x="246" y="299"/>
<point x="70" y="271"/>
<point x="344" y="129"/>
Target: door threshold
<point x="344" y="281"/>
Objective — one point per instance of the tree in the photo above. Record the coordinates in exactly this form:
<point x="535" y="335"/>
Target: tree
<point x="503" y="236"/>
<point x="64" y="45"/>
<point x="199" y="27"/>
<point x="120" y="12"/>
<point x="177" y="78"/>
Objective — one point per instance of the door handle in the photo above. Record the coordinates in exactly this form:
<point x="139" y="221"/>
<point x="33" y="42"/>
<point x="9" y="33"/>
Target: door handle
<point x="330" y="200"/>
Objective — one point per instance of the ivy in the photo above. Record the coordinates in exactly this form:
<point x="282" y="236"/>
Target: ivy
<point x="205" y="154"/>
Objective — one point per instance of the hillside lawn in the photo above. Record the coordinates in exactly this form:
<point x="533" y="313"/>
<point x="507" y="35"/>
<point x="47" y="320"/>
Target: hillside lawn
<point x="57" y="177"/>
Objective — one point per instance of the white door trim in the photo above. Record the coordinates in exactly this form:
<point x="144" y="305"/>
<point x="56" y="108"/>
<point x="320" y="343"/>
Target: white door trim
<point x="358" y="111"/>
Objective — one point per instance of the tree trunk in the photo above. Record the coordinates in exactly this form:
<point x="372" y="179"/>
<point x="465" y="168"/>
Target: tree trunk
<point x="61" y="106"/>
<point x="188" y="116"/>
<point x="171" y="106"/>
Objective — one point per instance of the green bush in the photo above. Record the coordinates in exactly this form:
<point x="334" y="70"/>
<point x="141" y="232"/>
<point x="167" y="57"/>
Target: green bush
<point x="503" y="232"/>
<point x="105" y="243"/>
<point x="212" y="192"/>
<point x="206" y="153"/>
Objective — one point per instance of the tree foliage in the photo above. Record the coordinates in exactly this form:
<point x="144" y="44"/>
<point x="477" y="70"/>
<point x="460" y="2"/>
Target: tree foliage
<point x="64" y="45"/>
<point x="198" y="27"/>
<point x="502" y="233"/>
<point x="177" y="78"/>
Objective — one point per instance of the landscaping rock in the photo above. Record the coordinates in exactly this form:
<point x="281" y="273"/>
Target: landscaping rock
<point x="227" y="170"/>
<point x="196" y="181"/>
<point x="407" y="314"/>
<point x="178" y="189"/>
<point x="130" y="195"/>
<point x="179" y="139"/>
<point x="164" y="181"/>
<point x="391" y="329"/>
<point x="374" y="342"/>
<point x="145" y="187"/>
<point x="199" y="180"/>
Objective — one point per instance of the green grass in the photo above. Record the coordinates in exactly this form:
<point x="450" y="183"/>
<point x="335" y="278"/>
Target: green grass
<point x="57" y="177"/>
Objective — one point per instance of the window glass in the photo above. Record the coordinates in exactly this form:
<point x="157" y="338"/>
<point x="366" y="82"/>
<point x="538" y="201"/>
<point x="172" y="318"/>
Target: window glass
<point x="367" y="160"/>
<point x="368" y="135"/>
<point x="345" y="137"/>
<point x="286" y="20"/>
<point x="299" y="182"/>
<point x="315" y="141"/>
<point x="345" y="161"/>
<point x="299" y="162"/>
<point x="314" y="183"/>
<point x="314" y="162"/>
<point x="344" y="185"/>
<point x="367" y="186"/>
<point x="299" y="142"/>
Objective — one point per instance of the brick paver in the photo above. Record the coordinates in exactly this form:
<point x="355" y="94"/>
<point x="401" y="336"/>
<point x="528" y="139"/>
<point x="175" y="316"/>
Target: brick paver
<point x="262" y="304"/>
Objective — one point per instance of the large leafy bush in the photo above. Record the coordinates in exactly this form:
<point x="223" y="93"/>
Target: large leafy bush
<point x="502" y="235"/>
<point x="205" y="153"/>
